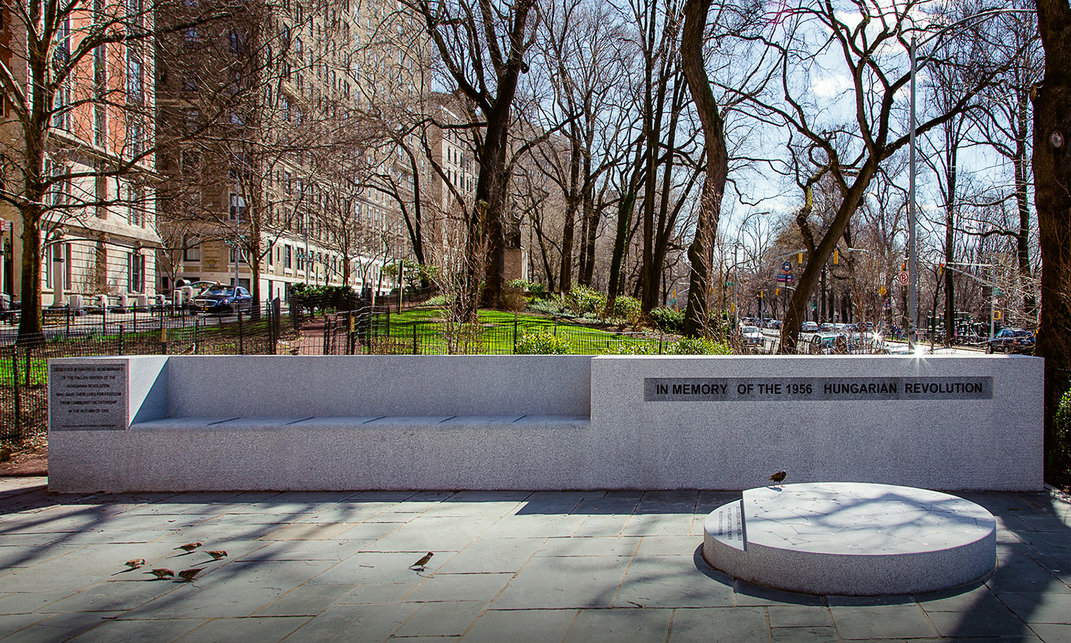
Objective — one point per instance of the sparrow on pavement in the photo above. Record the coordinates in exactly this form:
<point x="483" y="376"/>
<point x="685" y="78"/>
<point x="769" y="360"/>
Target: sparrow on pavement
<point x="188" y="547"/>
<point x="779" y="477"/>
<point x="189" y="574"/>
<point x="424" y="560"/>
<point x="162" y="573"/>
<point x="134" y="564"/>
<point x="216" y="554"/>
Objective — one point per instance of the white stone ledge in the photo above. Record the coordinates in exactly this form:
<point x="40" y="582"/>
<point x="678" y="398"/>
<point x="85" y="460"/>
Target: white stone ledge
<point x="538" y="422"/>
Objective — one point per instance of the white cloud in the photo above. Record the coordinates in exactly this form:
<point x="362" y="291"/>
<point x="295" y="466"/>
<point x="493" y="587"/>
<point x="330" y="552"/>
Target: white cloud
<point x="830" y="86"/>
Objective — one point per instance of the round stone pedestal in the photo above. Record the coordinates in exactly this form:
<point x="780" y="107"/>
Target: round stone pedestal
<point x="851" y="538"/>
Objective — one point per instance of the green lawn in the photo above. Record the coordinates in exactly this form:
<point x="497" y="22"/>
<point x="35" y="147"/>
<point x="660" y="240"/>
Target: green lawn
<point x="497" y="332"/>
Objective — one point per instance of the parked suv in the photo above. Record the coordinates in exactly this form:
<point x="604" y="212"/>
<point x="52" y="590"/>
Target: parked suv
<point x="1011" y="340"/>
<point x="223" y="300"/>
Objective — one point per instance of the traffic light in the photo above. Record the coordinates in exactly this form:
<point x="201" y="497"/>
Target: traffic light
<point x="940" y="269"/>
<point x="903" y="266"/>
<point x="996" y="315"/>
<point x="836" y="256"/>
<point x="777" y="292"/>
<point x="800" y="260"/>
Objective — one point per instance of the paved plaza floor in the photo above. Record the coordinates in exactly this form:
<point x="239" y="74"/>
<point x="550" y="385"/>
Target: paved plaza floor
<point x="507" y="567"/>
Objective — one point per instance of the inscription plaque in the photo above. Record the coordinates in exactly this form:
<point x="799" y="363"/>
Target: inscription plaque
<point x="88" y="397"/>
<point x="727" y="525"/>
<point x="773" y="389"/>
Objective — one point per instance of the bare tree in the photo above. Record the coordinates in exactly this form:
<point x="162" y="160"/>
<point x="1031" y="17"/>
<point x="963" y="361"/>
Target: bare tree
<point x="1004" y="125"/>
<point x="870" y="42"/>
<point x="482" y="46"/>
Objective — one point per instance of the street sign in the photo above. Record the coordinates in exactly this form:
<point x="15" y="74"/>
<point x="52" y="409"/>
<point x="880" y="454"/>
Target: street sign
<point x="888" y="304"/>
<point x="786" y="267"/>
<point x="784" y="279"/>
<point x="882" y="291"/>
<point x="903" y="278"/>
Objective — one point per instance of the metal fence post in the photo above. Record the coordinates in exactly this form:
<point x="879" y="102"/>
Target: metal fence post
<point x="120" y="339"/>
<point x="28" y="362"/>
<point x="15" y="382"/>
<point x="514" y="332"/>
<point x="276" y="309"/>
<point x="349" y="332"/>
<point x="416" y="351"/>
<point x="68" y="332"/>
<point x="241" y="331"/>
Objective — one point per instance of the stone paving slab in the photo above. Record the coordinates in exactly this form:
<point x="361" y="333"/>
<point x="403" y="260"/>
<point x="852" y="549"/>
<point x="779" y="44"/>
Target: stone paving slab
<point x="510" y="566"/>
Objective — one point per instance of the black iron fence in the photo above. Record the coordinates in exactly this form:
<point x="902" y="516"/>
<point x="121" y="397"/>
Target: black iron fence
<point x="24" y="364"/>
<point x="376" y="331"/>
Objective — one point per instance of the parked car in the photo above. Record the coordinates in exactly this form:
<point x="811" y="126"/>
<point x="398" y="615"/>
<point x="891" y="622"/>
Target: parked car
<point x="223" y="300"/>
<point x="1011" y="340"/>
<point x="809" y="327"/>
<point x="751" y="336"/>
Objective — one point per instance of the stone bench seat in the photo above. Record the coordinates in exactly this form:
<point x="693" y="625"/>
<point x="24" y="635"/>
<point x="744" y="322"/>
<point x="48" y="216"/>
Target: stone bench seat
<point x="444" y="422"/>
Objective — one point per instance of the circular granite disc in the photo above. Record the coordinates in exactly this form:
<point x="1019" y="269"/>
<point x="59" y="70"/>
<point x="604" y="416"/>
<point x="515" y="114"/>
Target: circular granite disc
<point x="851" y="538"/>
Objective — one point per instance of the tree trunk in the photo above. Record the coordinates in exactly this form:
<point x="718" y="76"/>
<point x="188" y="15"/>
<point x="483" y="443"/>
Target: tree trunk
<point x="701" y="250"/>
<point x="950" y="230"/>
<point x="572" y="201"/>
<point x="1021" y="165"/>
<point x="1052" y="175"/>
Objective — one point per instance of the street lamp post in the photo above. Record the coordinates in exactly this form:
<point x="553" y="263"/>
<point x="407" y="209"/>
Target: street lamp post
<point x="911" y="274"/>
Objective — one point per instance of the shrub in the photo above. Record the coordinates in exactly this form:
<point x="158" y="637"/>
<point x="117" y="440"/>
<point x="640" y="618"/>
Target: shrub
<point x="550" y="306"/>
<point x="582" y="299"/>
<point x="667" y="319"/>
<point x="1062" y="441"/>
<point x="633" y="348"/>
<point x="629" y="309"/>
<point x="541" y="343"/>
<point x="697" y="346"/>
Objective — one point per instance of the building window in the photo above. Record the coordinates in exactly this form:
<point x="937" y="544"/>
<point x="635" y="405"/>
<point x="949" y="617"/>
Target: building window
<point x="135" y="208"/>
<point x="100" y="86"/>
<point x="191" y="251"/>
<point x="135" y="134"/>
<point x="289" y="257"/>
<point x="60" y="57"/>
<point x="136" y="272"/>
<point x="135" y="76"/>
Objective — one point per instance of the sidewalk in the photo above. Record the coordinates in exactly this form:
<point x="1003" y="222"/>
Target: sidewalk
<point x="507" y="566"/>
